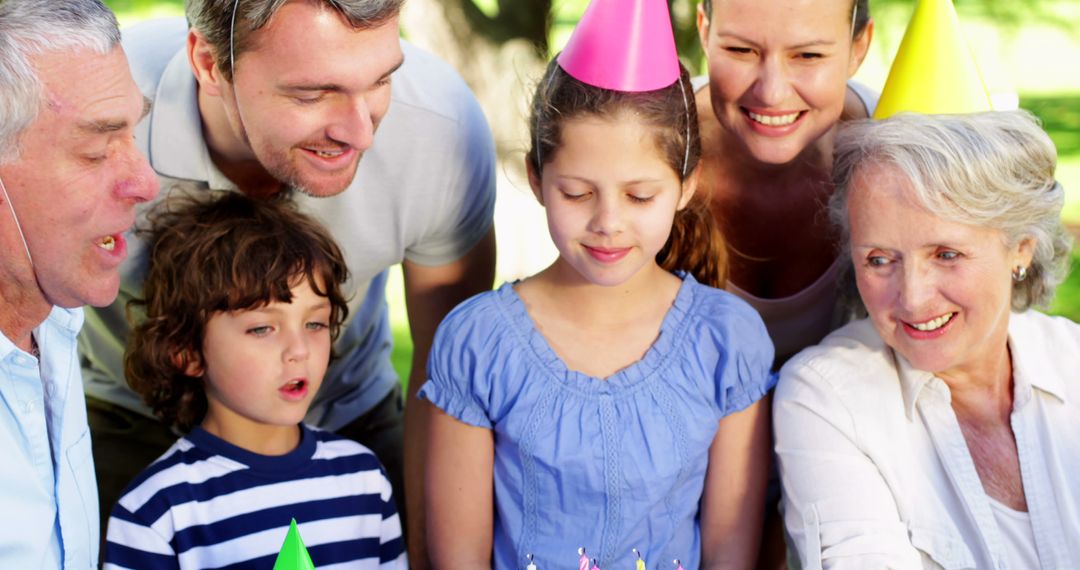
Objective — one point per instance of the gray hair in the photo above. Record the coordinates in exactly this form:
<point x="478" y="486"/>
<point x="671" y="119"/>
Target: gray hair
<point x="33" y="27"/>
<point x="214" y="20"/>
<point x="993" y="170"/>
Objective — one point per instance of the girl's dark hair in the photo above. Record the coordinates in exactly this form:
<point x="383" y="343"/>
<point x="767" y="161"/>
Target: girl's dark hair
<point x="696" y="244"/>
<point x="211" y="254"/>
<point x="862" y="16"/>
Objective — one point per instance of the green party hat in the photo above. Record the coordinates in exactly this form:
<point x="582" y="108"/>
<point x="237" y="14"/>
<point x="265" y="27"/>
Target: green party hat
<point x="293" y="555"/>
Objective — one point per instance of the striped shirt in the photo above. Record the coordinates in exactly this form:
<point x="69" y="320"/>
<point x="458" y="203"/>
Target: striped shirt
<point x="209" y="504"/>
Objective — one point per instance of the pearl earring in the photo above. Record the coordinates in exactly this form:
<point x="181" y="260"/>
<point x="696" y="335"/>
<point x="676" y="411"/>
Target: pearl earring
<point x="1019" y="273"/>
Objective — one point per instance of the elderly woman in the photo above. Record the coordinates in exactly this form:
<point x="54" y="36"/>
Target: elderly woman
<point x="944" y="431"/>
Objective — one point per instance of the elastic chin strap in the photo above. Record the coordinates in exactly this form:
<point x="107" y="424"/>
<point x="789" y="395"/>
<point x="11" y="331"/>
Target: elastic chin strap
<point x="232" y="68"/>
<point x="686" y="104"/>
<point x="232" y="42"/>
<point x="854" y="12"/>
<point x="35" y="346"/>
<point x="18" y="226"/>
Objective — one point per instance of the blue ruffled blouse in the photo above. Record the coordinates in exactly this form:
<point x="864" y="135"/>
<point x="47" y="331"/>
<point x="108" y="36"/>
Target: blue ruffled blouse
<point x="609" y="464"/>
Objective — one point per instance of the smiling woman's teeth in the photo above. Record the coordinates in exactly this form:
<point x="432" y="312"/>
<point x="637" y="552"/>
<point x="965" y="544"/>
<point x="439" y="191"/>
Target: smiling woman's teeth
<point x="108" y="243"/>
<point x="934" y="324"/>
<point x="774" y="121"/>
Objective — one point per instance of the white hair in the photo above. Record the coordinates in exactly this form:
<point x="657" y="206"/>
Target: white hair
<point x="993" y="170"/>
<point x="33" y="27"/>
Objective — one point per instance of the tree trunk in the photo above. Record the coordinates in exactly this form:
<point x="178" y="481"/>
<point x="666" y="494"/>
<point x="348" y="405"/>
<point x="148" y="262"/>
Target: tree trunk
<point x="500" y="57"/>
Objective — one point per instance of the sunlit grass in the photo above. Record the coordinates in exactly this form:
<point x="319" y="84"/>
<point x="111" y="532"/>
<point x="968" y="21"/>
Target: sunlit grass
<point x="1067" y="300"/>
<point x="131" y="11"/>
<point x="401" y="357"/>
<point x="1060" y="115"/>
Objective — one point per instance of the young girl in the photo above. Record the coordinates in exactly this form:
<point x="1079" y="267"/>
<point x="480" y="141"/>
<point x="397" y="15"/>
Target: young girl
<point x="604" y="402"/>
<point x="242" y="300"/>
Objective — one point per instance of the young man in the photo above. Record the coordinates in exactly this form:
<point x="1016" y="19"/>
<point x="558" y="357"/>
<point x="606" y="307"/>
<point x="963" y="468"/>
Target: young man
<point x="381" y="142"/>
<point x="70" y="177"/>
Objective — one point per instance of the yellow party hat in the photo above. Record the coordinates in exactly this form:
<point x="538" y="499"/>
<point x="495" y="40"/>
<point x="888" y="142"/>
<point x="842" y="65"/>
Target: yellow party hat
<point x="934" y="70"/>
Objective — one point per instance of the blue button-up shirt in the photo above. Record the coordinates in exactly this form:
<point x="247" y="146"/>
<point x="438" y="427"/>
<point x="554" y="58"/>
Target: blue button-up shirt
<point x="48" y="517"/>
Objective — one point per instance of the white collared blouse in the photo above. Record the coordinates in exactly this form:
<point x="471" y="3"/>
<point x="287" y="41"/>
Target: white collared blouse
<point x="877" y="474"/>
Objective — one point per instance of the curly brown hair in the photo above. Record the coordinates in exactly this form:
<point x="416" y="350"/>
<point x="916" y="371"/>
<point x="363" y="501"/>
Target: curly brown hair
<point x="211" y="253"/>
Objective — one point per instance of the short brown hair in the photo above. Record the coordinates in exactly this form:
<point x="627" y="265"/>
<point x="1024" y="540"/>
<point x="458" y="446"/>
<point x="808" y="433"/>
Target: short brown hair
<point x="211" y="253"/>
<point x="214" y="19"/>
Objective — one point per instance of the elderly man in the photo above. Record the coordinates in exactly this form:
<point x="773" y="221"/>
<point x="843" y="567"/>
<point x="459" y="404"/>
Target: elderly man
<point x="70" y="176"/>
<point x="320" y="101"/>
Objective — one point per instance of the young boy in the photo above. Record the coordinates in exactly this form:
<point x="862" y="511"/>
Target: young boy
<point x="242" y="301"/>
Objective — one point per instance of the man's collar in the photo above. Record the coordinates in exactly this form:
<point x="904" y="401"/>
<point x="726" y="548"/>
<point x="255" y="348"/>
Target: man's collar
<point x="177" y="147"/>
<point x="67" y="321"/>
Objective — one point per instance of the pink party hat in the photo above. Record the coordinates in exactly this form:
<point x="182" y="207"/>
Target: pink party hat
<point x="623" y="45"/>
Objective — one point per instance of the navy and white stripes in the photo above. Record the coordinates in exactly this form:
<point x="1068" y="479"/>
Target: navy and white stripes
<point x="209" y="504"/>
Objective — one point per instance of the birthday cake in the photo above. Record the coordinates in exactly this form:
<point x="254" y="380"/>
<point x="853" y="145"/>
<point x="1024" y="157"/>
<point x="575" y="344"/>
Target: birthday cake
<point x="586" y="563"/>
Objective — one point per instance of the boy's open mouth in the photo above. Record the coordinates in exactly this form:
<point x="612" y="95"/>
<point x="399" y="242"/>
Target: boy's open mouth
<point x="294" y="386"/>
